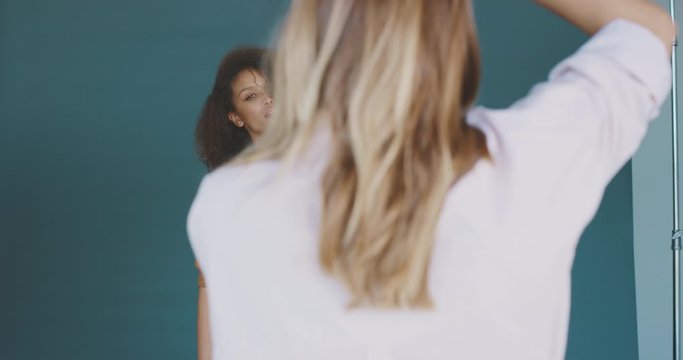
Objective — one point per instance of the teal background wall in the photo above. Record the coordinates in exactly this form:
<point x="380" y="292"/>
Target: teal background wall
<point x="97" y="107"/>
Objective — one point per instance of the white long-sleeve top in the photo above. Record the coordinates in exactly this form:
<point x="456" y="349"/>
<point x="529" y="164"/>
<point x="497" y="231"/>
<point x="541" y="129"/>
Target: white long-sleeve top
<point x="501" y="266"/>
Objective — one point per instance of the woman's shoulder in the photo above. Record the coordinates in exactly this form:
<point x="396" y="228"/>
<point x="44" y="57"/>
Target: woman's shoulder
<point x="232" y="171"/>
<point x="227" y="187"/>
<point x="239" y="178"/>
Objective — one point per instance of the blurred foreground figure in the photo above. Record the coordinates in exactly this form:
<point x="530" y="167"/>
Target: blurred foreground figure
<point x="381" y="217"/>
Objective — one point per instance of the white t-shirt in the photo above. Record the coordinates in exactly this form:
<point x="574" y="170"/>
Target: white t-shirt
<point x="500" y="272"/>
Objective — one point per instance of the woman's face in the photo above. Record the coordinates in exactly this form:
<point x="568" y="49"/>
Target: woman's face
<point x="253" y="104"/>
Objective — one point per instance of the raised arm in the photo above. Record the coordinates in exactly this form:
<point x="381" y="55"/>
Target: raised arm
<point x="591" y="15"/>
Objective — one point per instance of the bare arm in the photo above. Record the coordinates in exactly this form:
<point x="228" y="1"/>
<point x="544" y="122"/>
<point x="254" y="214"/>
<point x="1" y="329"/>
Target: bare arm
<point x="203" y="330"/>
<point x="591" y="15"/>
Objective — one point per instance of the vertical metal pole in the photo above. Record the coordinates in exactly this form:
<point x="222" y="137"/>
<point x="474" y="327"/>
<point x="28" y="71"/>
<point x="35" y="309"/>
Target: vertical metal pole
<point x="676" y="233"/>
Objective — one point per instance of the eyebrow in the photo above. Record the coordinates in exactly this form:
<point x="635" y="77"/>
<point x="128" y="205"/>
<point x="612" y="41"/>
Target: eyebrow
<point x="245" y="89"/>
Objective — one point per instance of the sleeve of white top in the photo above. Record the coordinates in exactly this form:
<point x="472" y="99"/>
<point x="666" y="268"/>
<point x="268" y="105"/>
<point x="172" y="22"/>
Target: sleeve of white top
<point x="607" y="92"/>
<point x="194" y="226"/>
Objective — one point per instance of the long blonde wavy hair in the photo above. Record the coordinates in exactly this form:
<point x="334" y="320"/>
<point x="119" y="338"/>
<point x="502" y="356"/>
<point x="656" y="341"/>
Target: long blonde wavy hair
<point x="391" y="80"/>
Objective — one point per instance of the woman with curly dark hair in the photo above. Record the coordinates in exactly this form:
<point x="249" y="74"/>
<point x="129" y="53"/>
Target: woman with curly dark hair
<point x="234" y="114"/>
<point x="237" y="109"/>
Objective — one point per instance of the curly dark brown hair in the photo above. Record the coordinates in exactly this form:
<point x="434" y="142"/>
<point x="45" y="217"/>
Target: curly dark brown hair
<point x="217" y="139"/>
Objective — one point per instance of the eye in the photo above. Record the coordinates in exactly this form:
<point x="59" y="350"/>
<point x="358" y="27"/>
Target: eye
<point x="250" y="97"/>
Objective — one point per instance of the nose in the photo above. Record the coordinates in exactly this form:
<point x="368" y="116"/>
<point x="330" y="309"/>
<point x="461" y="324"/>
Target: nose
<point x="269" y="100"/>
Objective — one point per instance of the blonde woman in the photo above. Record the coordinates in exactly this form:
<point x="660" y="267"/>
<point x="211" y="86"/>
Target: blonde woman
<point x="380" y="217"/>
